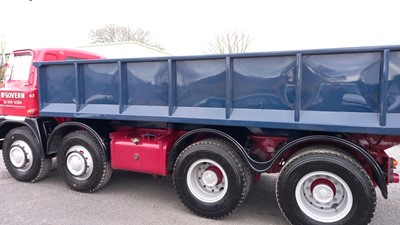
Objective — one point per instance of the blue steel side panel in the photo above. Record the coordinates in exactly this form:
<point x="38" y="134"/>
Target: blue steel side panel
<point x="201" y="83"/>
<point x="148" y="83"/>
<point x="58" y="85"/>
<point x="101" y="84"/>
<point x="264" y="83"/>
<point x="339" y="90"/>
<point x="393" y="97"/>
<point x="341" y="82"/>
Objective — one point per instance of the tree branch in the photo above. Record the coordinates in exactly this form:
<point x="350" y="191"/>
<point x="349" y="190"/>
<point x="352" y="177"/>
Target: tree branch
<point x="230" y="42"/>
<point x="111" y="33"/>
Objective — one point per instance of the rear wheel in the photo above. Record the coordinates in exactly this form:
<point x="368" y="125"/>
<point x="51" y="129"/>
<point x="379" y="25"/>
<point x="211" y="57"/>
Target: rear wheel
<point x="211" y="179"/>
<point x="324" y="186"/>
<point x="82" y="163"/>
<point x="22" y="156"/>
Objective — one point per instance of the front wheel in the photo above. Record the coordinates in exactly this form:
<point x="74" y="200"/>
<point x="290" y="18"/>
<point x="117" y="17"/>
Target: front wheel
<point x="211" y="178"/>
<point x="23" y="157"/>
<point x="324" y="186"/>
<point x="82" y="163"/>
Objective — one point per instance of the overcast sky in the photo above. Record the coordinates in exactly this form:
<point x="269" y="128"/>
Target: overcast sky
<point x="187" y="27"/>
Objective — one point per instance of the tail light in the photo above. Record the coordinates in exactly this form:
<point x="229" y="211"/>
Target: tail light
<point x="392" y="176"/>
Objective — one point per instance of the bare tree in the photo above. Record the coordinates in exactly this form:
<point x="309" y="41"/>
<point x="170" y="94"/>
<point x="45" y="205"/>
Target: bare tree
<point x="230" y="42"/>
<point x="112" y="33"/>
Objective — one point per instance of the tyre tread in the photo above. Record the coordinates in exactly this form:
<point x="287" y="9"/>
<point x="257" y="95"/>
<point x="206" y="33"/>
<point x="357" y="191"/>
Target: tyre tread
<point x="329" y="151"/>
<point x="243" y="169"/>
<point x="106" y="166"/>
<point x="45" y="163"/>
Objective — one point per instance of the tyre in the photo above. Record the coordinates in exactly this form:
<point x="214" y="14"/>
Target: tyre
<point x="324" y="186"/>
<point x="82" y="163"/>
<point x="211" y="178"/>
<point x="23" y="157"/>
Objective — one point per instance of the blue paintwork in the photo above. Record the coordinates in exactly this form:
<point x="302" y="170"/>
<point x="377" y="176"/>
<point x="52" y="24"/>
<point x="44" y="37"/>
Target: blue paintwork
<point x="338" y="90"/>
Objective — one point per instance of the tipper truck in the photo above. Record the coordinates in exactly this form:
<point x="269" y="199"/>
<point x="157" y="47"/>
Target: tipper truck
<point x="323" y="119"/>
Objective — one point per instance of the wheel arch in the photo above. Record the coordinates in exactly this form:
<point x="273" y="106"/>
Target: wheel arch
<point x="353" y="149"/>
<point x="187" y="139"/>
<point x="7" y="125"/>
<point x="286" y="151"/>
<point x="54" y="140"/>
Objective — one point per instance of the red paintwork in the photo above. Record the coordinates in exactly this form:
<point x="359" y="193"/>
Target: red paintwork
<point x="264" y="146"/>
<point x="256" y="177"/>
<point x="323" y="181"/>
<point x="142" y="150"/>
<point x="22" y="99"/>
<point x="375" y="145"/>
<point x="396" y="178"/>
<point x="146" y="150"/>
<point x="60" y="120"/>
<point x="217" y="172"/>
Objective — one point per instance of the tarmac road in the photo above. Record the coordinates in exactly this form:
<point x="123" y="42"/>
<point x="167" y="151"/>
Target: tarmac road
<point x="132" y="198"/>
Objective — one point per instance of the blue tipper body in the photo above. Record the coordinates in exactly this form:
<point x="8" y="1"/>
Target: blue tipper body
<point x="336" y="90"/>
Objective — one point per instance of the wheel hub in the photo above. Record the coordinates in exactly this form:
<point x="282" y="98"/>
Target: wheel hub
<point x="18" y="156"/>
<point x="324" y="196"/>
<point x="212" y="176"/>
<point x="79" y="162"/>
<point x="76" y="163"/>
<point x="21" y="155"/>
<point x="209" y="178"/>
<point x="323" y="193"/>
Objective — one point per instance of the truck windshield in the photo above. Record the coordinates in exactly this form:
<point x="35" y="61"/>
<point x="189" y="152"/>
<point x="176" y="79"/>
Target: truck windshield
<point x="19" y="67"/>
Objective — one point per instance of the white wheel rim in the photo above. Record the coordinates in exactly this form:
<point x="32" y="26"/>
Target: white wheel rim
<point x="79" y="162"/>
<point x="21" y="155"/>
<point x="324" y="196"/>
<point x="207" y="180"/>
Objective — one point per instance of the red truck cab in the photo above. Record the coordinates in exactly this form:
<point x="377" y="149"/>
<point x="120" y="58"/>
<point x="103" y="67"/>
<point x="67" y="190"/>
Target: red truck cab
<point x="19" y="94"/>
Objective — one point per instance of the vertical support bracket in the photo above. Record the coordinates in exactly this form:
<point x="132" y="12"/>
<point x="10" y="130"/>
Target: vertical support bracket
<point x="123" y="91"/>
<point x="298" y="86"/>
<point x="79" y="87"/>
<point x="383" y="87"/>
<point x="229" y="88"/>
<point x="171" y="87"/>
